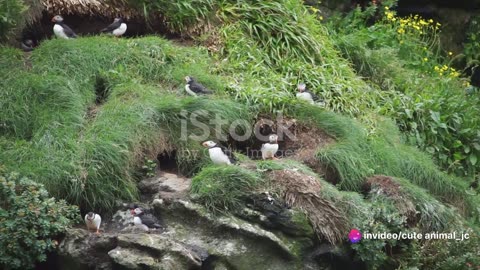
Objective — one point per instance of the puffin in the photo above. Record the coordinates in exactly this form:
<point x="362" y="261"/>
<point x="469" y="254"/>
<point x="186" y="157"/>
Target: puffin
<point x="307" y="95"/>
<point x="93" y="222"/>
<point x="194" y="88"/>
<point x="62" y="30"/>
<point x="144" y="221"/>
<point x="219" y="154"/>
<point x="269" y="149"/>
<point x="117" y="28"/>
<point x="27" y="45"/>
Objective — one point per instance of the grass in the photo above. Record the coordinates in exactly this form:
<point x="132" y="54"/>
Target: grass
<point x="358" y="154"/>
<point x="223" y="188"/>
<point x="83" y="123"/>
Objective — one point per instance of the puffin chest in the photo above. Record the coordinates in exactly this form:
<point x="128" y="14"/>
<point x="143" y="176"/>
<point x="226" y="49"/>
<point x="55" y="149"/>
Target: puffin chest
<point x="59" y="32"/>
<point x="218" y="156"/>
<point x="120" y="30"/>
<point x="305" y="96"/>
<point x="269" y="150"/>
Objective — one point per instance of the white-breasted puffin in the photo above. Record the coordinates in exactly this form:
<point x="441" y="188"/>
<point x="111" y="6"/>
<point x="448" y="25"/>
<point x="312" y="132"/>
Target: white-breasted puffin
<point x="307" y="95"/>
<point x="117" y="28"/>
<point x="144" y="221"/>
<point x="194" y="88"/>
<point x="269" y="149"/>
<point x="61" y="30"/>
<point x="93" y="222"/>
<point x="219" y="154"/>
<point x="27" y="45"/>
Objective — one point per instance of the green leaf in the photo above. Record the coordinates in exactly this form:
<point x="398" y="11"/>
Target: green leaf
<point x="473" y="159"/>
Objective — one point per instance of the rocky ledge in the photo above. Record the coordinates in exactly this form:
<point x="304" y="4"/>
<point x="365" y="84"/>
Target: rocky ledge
<point x="264" y="235"/>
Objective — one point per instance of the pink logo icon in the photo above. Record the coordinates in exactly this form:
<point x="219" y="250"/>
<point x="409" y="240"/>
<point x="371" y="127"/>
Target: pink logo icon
<point x="355" y="236"/>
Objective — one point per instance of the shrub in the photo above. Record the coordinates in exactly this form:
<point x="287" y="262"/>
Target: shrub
<point x="10" y="13"/>
<point x="223" y="188"/>
<point x="29" y="222"/>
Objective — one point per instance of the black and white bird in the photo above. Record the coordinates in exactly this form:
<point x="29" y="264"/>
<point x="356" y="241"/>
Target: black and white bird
<point x="219" y="154"/>
<point x="194" y="88"/>
<point x="61" y="30"/>
<point x="27" y="45"/>
<point x="93" y="222"/>
<point x="269" y="149"/>
<point x="117" y="28"/>
<point x="307" y="95"/>
<point x="144" y="221"/>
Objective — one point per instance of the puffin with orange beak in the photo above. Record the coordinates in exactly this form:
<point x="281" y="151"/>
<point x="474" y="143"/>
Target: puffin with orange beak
<point x="93" y="222"/>
<point x="219" y="154"/>
<point x="144" y="221"/>
<point x="269" y="149"/>
<point x="61" y="30"/>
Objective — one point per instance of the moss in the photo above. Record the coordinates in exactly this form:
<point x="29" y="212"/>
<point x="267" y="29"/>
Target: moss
<point x="302" y="222"/>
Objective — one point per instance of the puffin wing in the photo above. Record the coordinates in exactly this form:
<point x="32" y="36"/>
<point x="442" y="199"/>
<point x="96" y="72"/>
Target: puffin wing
<point x="229" y="154"/>
<point x="199" y="89"/>
<point x="150" y="221"/>
<point x="68" y="31"/>
<point x="111" y="27"/>
<point x="314" y="97"/>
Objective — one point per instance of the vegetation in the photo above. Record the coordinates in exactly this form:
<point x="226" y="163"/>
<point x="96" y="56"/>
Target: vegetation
<point x="10" y="13"/>
<point x="30" y="221"/>
<point x="88" y="123"/>
<point x="223" y="188"/>
<point x="422" y="92"/>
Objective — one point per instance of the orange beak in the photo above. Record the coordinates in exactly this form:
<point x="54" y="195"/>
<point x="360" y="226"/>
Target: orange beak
<point x="53" y="19"/>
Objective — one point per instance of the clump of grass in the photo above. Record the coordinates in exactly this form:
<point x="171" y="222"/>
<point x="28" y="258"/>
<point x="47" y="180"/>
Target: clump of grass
<point x="223" y="188"/>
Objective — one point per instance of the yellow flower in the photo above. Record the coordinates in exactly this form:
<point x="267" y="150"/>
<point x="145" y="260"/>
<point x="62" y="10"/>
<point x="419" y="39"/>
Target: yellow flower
<point x="430" y="21"/>
<point x="321" y="18"/>
<point x="425" y="59"/>
<point x="387" y="8"/>
<point x="450" y="53"/>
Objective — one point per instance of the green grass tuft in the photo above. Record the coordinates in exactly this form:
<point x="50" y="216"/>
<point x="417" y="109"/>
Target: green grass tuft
<point x="222" y="188"/>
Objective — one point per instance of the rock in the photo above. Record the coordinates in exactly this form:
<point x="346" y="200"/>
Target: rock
<point x="274" y="214"/>
<point x="145" y="251"/>
<point x="81" y="250"/>
<point x="167" y="186"/>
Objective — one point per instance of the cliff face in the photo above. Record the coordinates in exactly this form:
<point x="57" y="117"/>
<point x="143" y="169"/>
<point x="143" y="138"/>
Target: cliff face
<point x="267" y="237"/>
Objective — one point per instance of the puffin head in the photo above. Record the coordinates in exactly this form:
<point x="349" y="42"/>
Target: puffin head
<point x="273" y="138"/>
<point x="90" y="215"/>
<point x="188" y="79"/>
<point x="137" y="211"/>
<point x="57" y="19"/>
<point x="209" y="144"/>
<point x="301" y="87"/>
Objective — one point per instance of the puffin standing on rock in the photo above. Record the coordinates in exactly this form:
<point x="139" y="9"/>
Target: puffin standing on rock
<point x="269" y="149"/>
<point x="194" y="88"/>
<point x="144" y="221"/>
<point x="117" y="28"/>
<point x="219" y="154"/>
<point x="62" y="30"/>
<point x="93" y="222"/>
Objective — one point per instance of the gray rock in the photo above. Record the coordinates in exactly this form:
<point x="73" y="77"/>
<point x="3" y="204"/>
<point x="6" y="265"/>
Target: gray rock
<point x="167" y="185"/>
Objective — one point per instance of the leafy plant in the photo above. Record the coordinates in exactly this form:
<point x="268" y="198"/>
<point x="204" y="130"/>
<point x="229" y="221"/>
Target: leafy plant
<point x="30" y="221"/>
<point x="10" y="13"/>
<point x="149" y="167"/>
